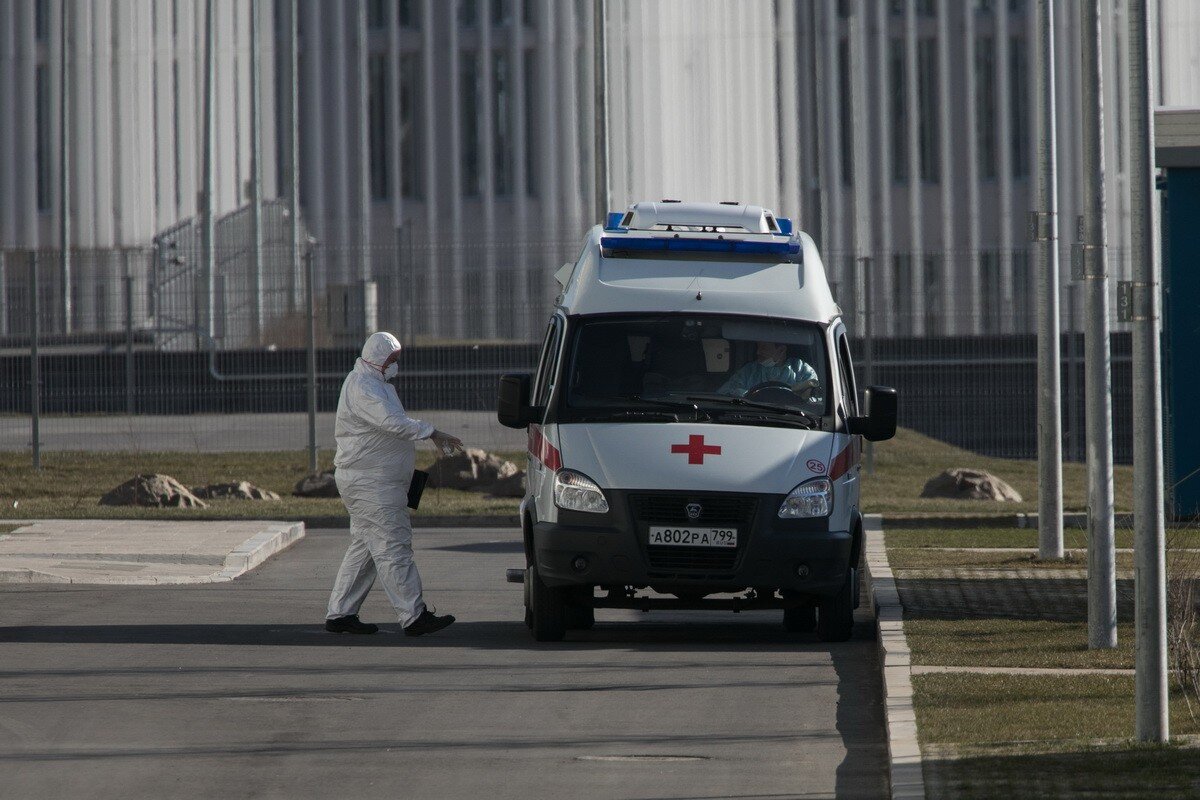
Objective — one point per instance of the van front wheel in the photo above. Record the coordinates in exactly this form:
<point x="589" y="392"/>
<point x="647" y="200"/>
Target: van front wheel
<point x="547" y="609"/>
<point x="835" y="615"/>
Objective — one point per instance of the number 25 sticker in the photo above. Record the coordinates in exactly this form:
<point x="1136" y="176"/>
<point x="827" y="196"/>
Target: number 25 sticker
<point x="816" y="466"/>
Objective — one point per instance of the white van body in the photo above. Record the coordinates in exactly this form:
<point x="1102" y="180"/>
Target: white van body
<point x="652" y="465"/>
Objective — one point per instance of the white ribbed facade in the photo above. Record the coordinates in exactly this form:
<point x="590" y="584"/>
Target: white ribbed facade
<point x="135" y="71"/>
<point x="446" y="163"/>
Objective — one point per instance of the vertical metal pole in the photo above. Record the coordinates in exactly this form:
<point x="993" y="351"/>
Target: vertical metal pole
<point x="64" y="177"/>
<point x="293" y="167"/>
<point x="35" y="371"/>
<point x="868" y="350"/>
<point x="1151" y="719"/>
<point x="311" y="344"/>
<point x="256" y="171"/>
<point x="128" y="339"/>
<point x="600" y="93"/>
<point x="1102" y="554"/>
<point x="208" y="323"/>
<point x="1049" y="382"/>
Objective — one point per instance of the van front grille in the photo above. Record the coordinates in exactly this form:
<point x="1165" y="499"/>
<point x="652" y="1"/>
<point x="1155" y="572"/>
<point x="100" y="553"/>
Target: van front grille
<point x="671" y="508"/>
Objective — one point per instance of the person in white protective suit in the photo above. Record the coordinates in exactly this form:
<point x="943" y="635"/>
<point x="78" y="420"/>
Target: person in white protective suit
<point x="374" y="463"/>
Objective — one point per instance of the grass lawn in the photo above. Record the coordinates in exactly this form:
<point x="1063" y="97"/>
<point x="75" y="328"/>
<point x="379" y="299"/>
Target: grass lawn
<point x="70" y="485"/>
<point x="1120" y="772"/>
<point x="1073" y="538"/>
<point x="971" y="709"/>
<point x="991" y="642"/>
<point x="903" y="464"/>
<point x="928" y="558"/>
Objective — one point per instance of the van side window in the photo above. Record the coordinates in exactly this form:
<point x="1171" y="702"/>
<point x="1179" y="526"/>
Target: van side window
<point x="541" y="390"/>
<point x="846" y="368"/>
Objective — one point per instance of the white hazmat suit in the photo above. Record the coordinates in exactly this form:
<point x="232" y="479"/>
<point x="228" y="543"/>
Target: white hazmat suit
<point x="374" y="464"/>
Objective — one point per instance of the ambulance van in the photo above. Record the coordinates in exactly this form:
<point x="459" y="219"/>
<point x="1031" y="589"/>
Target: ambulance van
<point x="694" y="427"/>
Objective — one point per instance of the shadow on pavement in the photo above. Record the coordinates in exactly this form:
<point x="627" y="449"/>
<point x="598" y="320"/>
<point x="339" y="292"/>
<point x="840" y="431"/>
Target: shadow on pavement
<point x="490" y="635"/>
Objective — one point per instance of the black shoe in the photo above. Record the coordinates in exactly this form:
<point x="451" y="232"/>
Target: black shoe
<point x="427" y="623"/>
<point x="350" y="624"/>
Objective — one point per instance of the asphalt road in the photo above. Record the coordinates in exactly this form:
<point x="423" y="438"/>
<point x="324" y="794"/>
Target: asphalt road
<point x="234" y="690"/>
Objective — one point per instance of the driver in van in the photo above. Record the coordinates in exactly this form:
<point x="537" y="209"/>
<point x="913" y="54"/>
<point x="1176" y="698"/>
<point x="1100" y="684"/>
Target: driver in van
<point x="772" y="365"/>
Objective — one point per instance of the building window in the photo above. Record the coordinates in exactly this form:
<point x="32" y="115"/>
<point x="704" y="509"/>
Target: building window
<point x="43" y="149"/>
<point x="500" y="13"/>
<point x="899" y="94"/>
<point x="1016" y="6"/>
<point x="502" y="124"/>
<point x="468" y="93"/>
<point x="1018" y="106"/>
<point x="926" y="8"/>
<point x="376" y="17"/>
<point x="41" y="19"/>
<point x="410" y="160"/>
<point x="927" y="108"/>
<point x="406" y="13"/>
<point x="902" y="291"/>
<point x="468" y="12"/>
<point x="989" y="286"/>
<point x="985" y="106"/>
<point x="527" y="13"/>
<point x="531" y="125"/>
<point x="377" y="135"/>
<point x="1023" y="292"/>
<point x="985" y="6"/>
<point x="583" y="95"/>
<point x="846" y="109"/>
<point x="931" y="281"/>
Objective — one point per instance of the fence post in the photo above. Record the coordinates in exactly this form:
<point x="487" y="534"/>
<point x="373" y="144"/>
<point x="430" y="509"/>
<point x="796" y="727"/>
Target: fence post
<point x="1045" y="236"/>
<point x="1151" y="719"/>
<point x="868" y="352"/>
<point x="129" y="404"/>
<point x="35" y="376"/>
<point x="311" y="299"/>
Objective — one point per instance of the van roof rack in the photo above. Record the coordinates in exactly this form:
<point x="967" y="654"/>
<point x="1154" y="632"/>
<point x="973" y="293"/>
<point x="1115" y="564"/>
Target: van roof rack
<point x="727" y="216"/>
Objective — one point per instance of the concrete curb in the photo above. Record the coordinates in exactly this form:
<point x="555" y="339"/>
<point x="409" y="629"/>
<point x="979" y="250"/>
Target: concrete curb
<point x="904" y="751"/>
<point x="258" y="548"/>
<point x="273" y="539"/>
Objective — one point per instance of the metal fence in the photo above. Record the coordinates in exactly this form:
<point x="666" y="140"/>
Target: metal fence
<point x="158" y="356"/>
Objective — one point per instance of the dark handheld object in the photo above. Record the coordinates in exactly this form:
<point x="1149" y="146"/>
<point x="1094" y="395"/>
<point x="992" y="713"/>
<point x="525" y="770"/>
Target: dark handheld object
<point x="416" y="486"/>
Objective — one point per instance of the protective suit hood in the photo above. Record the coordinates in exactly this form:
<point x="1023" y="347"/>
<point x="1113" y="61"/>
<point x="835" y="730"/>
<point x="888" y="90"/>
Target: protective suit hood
<point x="376" y="349"/>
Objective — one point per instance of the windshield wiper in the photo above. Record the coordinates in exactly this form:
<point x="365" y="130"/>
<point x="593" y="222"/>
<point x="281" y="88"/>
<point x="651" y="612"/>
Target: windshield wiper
<point x="668" y="416"/>
<point x="766" y="419"/>
<point x="695" y="409"/>
<point x="813" y="421"/>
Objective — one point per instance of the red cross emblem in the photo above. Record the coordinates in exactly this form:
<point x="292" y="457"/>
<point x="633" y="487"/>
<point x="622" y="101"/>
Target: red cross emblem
<point x="696" y="449"/>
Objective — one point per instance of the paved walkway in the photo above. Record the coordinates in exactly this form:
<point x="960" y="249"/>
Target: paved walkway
<point x="139" y="551"/>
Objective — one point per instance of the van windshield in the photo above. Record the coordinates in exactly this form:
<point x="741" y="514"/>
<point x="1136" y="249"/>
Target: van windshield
<point x="748" y="367"/>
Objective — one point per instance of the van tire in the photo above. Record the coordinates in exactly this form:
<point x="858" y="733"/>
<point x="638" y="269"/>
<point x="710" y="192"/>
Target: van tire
<point x="547" y="608"/>
<point x="580" y="615"/>
<point x="800" y="619"/>
<point x="835" y="615"/>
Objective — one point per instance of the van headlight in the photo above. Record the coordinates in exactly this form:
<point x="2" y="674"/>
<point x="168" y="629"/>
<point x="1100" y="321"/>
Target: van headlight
<point x="810" y="499"/>
<point x="575" y="491"/>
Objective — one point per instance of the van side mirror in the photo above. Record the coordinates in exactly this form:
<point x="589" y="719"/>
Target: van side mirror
<point x="512" y="407"/>
<point x="880" y="421"/>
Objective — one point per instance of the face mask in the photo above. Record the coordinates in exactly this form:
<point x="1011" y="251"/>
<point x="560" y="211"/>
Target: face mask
<point x="390" y="371"/>
<point x="768" y="362"/>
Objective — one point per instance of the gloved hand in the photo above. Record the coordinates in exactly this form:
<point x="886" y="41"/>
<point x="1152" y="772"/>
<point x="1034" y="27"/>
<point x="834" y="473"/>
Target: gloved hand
<point x="446" y="443"/>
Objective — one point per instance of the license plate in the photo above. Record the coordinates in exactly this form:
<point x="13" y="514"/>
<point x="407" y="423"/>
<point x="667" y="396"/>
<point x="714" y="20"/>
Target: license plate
<point x="693" y="537"/>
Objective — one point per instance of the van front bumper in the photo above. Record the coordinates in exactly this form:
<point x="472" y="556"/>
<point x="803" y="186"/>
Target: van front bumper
<point x="802" y="557"/>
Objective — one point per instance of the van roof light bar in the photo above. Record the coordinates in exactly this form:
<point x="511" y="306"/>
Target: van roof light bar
<point x="690" y="245"/>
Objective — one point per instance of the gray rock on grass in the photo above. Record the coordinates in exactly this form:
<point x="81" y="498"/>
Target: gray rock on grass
<point x="472" y="469"/>
<point x="238" y="490"/>
<point x="970" y="484"/>
<point x="322" y="485"/>
<point x="158" y="491"/>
